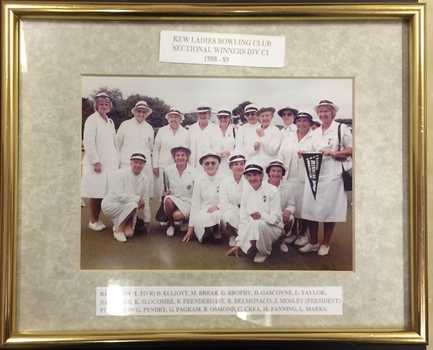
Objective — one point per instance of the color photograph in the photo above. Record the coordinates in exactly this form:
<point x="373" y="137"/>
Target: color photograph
<point x="216" y="173"/>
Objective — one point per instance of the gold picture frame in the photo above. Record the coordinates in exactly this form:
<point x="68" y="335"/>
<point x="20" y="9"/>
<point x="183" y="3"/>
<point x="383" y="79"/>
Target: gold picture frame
<point x="18" y="139"/>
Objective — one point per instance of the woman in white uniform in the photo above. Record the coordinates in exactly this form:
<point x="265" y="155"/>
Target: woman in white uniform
<point x="180" y="182"/>
<point x="101" y="159"/>
<point x="228" y="140"/>
<point x="203" y="136"/>
<point x="129" y="192"/>
<point x="330" y="204"/>
<point x="260" y="215"/>
<point x="205" y="211"/>
<point x="276" y="172"/>
<point x="264" y="145"/>
<point x="168" y="136"/>
<point x="230" y="197"/>
<point x="136" y="134"/>
<point x="290" y="154"/>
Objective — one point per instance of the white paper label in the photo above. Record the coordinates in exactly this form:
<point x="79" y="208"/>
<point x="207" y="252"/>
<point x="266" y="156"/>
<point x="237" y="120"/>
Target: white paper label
<point x="239" y="301"/>
<point x="222" y="49"/>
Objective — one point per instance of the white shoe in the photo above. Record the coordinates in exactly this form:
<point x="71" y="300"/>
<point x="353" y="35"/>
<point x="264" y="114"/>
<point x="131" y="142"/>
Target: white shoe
<point x="259" y="258"/>
<point x="301" y="241"/>
<point x="101" y="224"/>
<point x="170" y="231"/>
<point x="310" y="248"/>
<point x="96" y="226"/>
<point x="232" y="241"/>
<point x="184" y="226"/>
<point x="290" y="238"/>
<point x="323" y="250"/>
<point x="119" y="236"/>
<point x="163" y="223"/>
<point x="284" y="248"/>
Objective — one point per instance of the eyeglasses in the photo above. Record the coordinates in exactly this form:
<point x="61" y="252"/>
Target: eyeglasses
<point x="209" y="163"/>
<point x="250" y="113"/>
<point x="288" y="114"/>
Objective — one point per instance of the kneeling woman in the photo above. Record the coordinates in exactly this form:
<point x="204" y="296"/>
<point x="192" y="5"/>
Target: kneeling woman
<point x="128" y="193"/>
<point x="205" y="211"/>
<point x="261" y="217"/>
<point x="180" y="183"/>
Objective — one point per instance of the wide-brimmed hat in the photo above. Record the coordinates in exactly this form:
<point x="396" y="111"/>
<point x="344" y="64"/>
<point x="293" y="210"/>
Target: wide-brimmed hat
<point x="177" y="112"/>
<point x="265" y="108"/>
<point x="250" y="108"/>
<point x="138" y="155"/>
<point x="253" y="166"/>
<point x="224" y="111"/>
<point x="304" y="115"/>
<point x="327" y="103"/>
<point x="287" y="108"/>
<point x="142" y="104"/>
<point x="276" y="162"/>
<point x="180" y="147"/>
<point x="102" y="95"/>
<point x="203" y="107"/>
<point x="236" y="158"/>
<point x="209" y="154"/>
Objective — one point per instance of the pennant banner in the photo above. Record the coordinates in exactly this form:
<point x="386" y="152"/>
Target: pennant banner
<point x="312" y="162"/>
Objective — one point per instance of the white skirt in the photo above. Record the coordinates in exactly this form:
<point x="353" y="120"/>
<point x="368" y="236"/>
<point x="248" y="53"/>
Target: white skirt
<point x="95" y="185"/>
<point x="118" y="212"/>
<point x="204" y="219"/>
<point x="330" y="204"/>
<point x="297" y="188"/>
<point x="230" y="216"/>
<point x="182" y="205"/>
<point x="259" y="231"/>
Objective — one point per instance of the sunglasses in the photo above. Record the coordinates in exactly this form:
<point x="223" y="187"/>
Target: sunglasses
<point x="209" y="163"/>
<point x="288" y="114"/>
<point x="250" y="113"/>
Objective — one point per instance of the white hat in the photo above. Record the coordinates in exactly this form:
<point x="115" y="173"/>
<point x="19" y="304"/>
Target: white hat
<point x="250" y="108"/>
<point x="180" y="147"/>
<point x="253" y="166"/>
<point x="210" y="153"/>
<point x="265" y="108"/>
<point x="288" y="108"/>
<point x="224" y="111"/>
<point x="203" y="107"/>
<point x="142" y="104"/>
<point x="275" y="162"/>
<point x="236" y="158"/>
<point x="102" y="95"/>
<point x="177" y="112"/>
<point x="326" y="103"/>
<point x="138" y="155"/>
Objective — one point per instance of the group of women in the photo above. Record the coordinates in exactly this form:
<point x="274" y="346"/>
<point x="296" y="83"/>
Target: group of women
<point x="211" y="175"/>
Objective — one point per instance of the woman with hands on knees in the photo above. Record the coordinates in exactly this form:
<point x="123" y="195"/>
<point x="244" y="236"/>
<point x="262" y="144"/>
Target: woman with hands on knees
<point x="260" y="215"/>
<point x="231" y="196"/>
<point x="180" y="178"/>
<point x="205" y="205"/>
<point x="129" y="192"/>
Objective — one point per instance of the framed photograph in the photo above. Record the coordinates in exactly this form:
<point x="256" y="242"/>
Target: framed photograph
<point x="61" y="285"/>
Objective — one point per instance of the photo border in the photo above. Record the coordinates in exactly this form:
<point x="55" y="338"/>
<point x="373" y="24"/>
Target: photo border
<point x="14" y="11"/>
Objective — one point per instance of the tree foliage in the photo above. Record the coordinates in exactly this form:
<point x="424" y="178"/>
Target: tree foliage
<point x="238" y="112"/>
